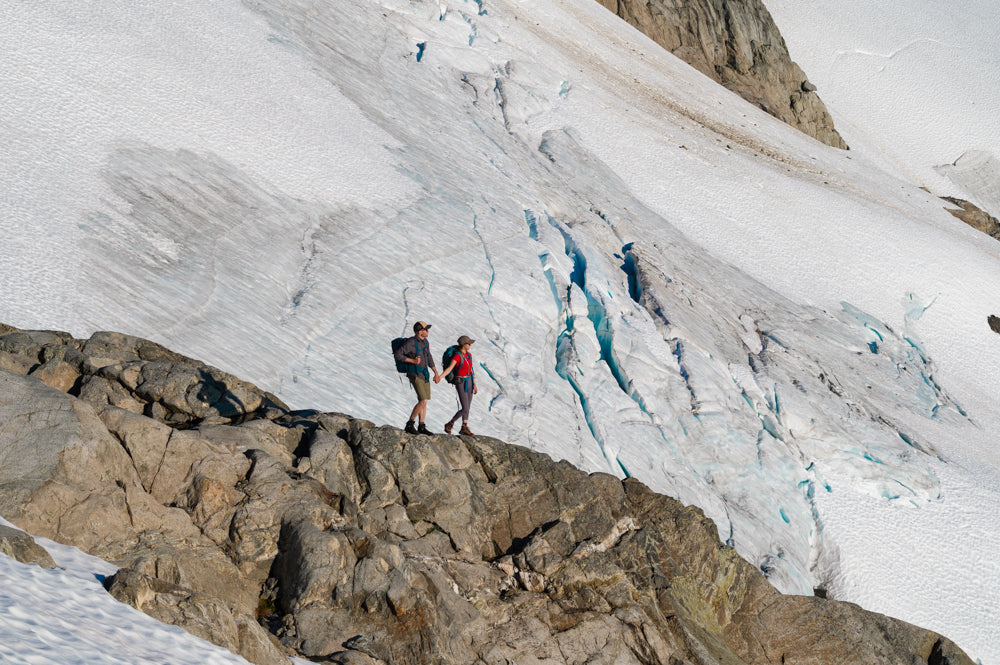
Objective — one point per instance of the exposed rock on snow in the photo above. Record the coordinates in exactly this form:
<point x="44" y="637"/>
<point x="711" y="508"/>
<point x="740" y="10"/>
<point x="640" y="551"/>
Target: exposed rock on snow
<point x="20" y="546"/>
<point x="357" y="543"/>
<point x="736" y="43"/>
<point x="205" y="616"/>
<point x="977" y="173"/>
<point x="974" y="216"/>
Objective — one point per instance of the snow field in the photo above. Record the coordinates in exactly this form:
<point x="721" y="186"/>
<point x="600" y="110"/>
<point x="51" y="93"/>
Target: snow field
<point x="65" y="616"/>
<point x="663" y="281"/>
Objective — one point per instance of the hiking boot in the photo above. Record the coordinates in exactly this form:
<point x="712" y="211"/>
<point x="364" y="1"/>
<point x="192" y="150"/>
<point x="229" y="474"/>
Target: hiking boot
<point x="466" y="431"/>
<point x="410" y="429"/>
<point x="447" y="428"/>
<point x="423" y="429"/>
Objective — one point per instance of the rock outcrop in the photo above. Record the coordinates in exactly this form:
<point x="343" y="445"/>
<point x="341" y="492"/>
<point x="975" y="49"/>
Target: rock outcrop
<point x="21" y="547"/>
<point x="736" y="43"/>
<point x="974" y="216"/>
<point x="269" y="531"/>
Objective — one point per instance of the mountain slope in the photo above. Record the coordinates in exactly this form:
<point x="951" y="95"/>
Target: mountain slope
<point x="909" y="84"/>
<point x="654" y="269"/>
<point x="350" y="542"/>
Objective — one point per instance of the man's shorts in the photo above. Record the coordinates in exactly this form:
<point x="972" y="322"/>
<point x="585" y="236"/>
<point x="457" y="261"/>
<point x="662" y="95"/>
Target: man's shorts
<point x="422" y="386"/>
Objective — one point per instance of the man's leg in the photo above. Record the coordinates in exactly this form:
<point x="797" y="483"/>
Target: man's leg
<point x="410" y="427"/>
<point x="419" y="409"/>
<point x="423" y="390"/>
<point x="422" y="427"/>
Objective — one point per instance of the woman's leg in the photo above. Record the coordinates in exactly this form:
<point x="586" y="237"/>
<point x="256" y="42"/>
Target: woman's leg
<point x="461" y="410"/>
<point x="465" y="399"/>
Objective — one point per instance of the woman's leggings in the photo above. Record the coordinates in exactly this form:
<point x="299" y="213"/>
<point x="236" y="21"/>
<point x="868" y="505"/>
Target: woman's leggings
<point x="464" y="389"/>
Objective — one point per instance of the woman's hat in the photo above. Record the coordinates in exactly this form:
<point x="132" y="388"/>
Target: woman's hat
<point x="465" y="339"/>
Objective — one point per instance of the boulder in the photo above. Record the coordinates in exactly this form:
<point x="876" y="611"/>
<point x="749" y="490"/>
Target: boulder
<point x="21" y="547"/>
<point x="193" y="564"/>
<point x="57" y="374"/>
<point x="60" y="469"/>
<point x="197" y="613"/>
<point x="16" y="363"/>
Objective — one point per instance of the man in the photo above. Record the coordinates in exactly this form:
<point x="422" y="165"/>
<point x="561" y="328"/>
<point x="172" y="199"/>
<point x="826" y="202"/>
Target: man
<point x="416" y="353"/>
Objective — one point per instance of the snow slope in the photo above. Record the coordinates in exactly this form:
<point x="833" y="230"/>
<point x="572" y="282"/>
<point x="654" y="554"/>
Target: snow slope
<point x="914" y="84"/>
<point x="63" y="615"/>
<point x="664" y="282"/>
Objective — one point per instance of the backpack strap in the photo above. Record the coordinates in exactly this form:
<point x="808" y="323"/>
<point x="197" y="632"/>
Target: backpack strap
<point x="420" y="348"/>
<point x="463" y="358"/>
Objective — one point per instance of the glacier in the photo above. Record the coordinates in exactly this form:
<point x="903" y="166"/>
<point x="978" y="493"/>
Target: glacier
<point x="665" y="282"/>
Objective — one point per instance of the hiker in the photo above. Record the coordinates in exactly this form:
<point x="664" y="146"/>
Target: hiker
<point x="464" y="380"/>
<point x="415" y="354"/>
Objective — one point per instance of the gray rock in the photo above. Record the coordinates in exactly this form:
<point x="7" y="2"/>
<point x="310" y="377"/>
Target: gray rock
<point x="98" y="391"/>
<point x="30" y="342"/>
<point x="57" y="374"/>
<point x="184" y="392"/>
<point x="331" y="462"/>
<point x="59" y="466"/>
<point x="736" y="43"/>
<point x="162" y="456"/>
<point x="194" y="564"/>
<point x="16" y="363"/>
<point x="123" y="348"/>
<point x="199" y="614"/>
<point x="275" y="497"/>
<point x="137" y="375"/>
<point x="974" y="216"/>
<point x="21" y="547"/>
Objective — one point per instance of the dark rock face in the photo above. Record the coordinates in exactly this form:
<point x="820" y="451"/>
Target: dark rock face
<point x="352" y="543"/>
<point x="974" y="216"/>
<point x="736" y="43"/>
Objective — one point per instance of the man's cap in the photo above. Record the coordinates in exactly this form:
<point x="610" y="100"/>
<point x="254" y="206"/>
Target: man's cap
<point x="465" y="339"/>
<point x="420" y="325"/>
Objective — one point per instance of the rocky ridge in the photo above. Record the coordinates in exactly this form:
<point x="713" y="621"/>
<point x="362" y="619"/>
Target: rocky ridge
<point x="737" y="44"/>
<point x="275" y="532"/>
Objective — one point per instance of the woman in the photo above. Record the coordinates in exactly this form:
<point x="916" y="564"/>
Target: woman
<point x="465" y="382"/>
